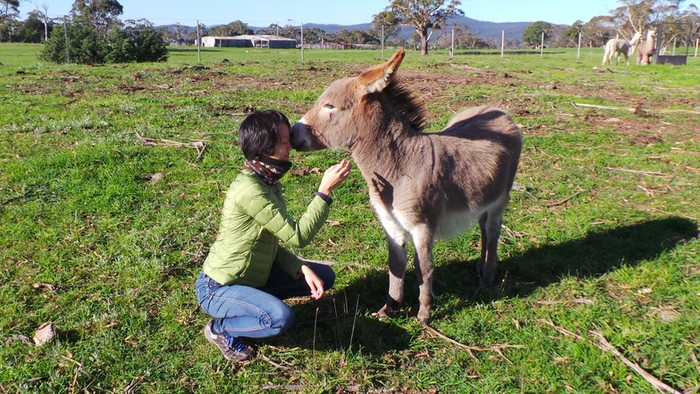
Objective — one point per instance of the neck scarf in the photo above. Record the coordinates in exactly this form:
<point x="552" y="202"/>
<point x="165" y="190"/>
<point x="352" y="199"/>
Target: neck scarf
<point x="268" y="169"/>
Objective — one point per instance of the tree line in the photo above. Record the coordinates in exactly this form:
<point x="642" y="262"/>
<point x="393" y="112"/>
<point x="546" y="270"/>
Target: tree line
<point x="93" y="23"/>
<point x="91" y="34"/>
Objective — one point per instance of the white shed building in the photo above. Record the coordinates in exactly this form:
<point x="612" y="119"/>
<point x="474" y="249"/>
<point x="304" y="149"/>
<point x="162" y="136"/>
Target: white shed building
<point x="249" y="41"/>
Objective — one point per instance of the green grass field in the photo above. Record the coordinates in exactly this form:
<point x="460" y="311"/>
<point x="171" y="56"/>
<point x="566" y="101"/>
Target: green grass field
<point x="601" y="237"/>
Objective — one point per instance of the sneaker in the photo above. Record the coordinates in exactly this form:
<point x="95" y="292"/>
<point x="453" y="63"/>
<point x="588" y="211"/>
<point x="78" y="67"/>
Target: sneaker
<point x="232" y="347"/>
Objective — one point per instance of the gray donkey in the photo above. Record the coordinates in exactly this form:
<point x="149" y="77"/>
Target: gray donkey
<point x="423" y="186"/>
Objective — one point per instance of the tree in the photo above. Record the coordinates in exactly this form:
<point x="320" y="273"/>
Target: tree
<point x="32" y="30"/>
<point x="642" y="15"/>
<point x="149" y="46"/>
<point x="103" y="15"/>
<point x="532" y="36"/>
<point x="235" y="28"/>
<point x="463" y="39"/>
<point x="596" y="31"/>
<point x="425" y="16"/>
<point x="9" y="9"/>
<point x="386" y="22"/>
<point x="137" y="42"/>
<point x="570" y="34"/>
<point x="85" y="45"/>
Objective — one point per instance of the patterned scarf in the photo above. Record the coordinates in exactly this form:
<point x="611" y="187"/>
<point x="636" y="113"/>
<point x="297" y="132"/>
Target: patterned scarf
<point x="269" y="169"/>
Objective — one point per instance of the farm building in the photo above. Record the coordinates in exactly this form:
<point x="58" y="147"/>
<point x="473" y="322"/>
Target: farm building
<point x="259" y="41"/>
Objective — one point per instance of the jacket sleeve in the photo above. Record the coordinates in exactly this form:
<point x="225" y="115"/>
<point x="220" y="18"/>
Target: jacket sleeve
<point x="288" y="262"/>
<point x="270" y="212"/>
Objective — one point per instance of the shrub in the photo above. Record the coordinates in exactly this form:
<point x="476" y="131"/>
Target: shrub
<point x="141" y="44"/>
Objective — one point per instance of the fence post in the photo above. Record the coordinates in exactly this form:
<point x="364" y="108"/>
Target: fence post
<point x="578" y="51"/>
<point x="542" y="46"/>
<point x="503" y="42"/>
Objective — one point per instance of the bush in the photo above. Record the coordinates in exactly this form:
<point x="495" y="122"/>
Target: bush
<point x="141" y="44"/>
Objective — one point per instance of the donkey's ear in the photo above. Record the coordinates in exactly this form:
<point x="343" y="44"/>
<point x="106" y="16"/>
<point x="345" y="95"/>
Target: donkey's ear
<point x="378" y="77"/>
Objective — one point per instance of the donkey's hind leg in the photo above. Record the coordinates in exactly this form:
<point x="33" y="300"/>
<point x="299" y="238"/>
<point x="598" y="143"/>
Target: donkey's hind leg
<point x="490" y="226"/>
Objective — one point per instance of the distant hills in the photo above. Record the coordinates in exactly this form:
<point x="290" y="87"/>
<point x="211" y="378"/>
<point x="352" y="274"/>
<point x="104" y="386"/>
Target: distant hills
<point x="486" y="30"/>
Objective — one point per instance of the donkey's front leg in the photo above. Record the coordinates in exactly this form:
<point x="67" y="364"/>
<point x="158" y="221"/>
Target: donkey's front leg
<point x="490" y="225"/>
<point x="397" y="270"/>
<point x="423" y="261"/>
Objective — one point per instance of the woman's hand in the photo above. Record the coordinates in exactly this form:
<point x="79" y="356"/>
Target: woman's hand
<point x="334" y="176"/>
<point x="315" y="283"/>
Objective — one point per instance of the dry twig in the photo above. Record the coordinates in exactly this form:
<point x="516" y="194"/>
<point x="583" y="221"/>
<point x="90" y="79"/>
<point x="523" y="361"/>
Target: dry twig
<point x="604" y="345"/>
<point x="470" y="349"/>
<point x="661" y="111"/>
<point x="564" y="201"/>
<point x="568" y="302"/>
<point x="199" y="146"/>
<point x="650" y="173"/>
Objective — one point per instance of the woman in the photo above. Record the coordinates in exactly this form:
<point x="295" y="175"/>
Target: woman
<point x="248" y="272"/>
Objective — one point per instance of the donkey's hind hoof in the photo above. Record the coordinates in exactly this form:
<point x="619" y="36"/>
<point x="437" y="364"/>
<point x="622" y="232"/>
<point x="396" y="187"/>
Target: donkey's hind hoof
<point x="380" y="316"/>
<point x="384" y="313"/>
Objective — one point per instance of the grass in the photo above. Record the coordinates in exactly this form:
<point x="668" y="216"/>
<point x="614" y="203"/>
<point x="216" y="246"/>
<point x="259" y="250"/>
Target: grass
<point x="601" y="233"/>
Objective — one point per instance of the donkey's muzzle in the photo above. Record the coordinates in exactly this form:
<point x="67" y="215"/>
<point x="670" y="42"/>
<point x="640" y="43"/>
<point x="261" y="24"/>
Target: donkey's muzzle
<point x="299" y="137"/>
<point x="302" y="137"/>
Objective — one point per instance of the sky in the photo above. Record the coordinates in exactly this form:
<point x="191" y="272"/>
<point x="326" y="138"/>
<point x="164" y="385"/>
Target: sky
<point x="263" y="13"/>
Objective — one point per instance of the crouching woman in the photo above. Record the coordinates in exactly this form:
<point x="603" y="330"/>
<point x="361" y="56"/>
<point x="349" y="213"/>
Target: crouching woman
<point x="248" y="272"/>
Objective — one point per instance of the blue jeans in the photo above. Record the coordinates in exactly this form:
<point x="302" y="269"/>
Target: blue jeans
<point x="244" y="311"/>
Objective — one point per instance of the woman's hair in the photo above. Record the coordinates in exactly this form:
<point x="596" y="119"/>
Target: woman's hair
<point x="257" y="135"/>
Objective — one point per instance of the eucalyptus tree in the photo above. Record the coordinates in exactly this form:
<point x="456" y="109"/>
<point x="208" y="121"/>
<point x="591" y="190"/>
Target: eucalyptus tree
<point x="9" y="9"/>
<point x="425" y="16"/>
<point x="103" y="15"/>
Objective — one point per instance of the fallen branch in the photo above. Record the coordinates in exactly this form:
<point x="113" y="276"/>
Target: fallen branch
<point x="274" y="364"/>
<point x="658" y="384"/>
<point x="568" y="302"/>
<point x="564" y="201"/>
<point x="284" y="387"/>
<point x="650" y="173"/>
<point x="199" y="146"/>
<point x="604" y="345"/>
<point x="18" y="197"/>
<point x="662" y="111"/>
<point x="135" y="382"/>
<point x="470" y="349"/>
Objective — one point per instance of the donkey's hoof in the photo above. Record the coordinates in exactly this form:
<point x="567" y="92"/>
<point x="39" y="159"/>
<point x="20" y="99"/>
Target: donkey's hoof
<point x="384" y="313"/>
<point x="379" y="316"/>
<point x="423" y="317"/>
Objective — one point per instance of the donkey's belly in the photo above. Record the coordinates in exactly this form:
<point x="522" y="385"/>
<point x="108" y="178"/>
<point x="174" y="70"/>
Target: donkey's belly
<point x="454" y="223"/>
<point x="399" y="225"/>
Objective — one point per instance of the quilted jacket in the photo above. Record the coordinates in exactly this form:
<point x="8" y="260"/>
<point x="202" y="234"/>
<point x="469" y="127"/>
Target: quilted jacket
<point x="255" y="227"/>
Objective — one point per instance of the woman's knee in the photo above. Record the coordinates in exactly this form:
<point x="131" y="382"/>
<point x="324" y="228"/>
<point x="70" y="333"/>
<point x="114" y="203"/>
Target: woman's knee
<point x="282" y="319"/>
<point x="326" y="274"/>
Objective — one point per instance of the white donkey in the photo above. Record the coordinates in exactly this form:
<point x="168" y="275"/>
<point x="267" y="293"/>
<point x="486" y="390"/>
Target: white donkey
<point x="616" y="46"/>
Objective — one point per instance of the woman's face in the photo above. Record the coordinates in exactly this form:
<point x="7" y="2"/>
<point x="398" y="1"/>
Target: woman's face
<point x="282" y="147"/>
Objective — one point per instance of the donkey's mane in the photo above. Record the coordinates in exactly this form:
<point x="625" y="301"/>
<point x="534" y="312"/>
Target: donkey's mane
<point x="405" y="104"/>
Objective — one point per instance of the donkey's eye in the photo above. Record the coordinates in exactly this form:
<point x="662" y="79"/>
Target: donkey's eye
<point x="328" y="106"/>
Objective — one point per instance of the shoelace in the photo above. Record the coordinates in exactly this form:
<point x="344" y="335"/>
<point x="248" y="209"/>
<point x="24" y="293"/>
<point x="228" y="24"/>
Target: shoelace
<point x="236" y="344"/>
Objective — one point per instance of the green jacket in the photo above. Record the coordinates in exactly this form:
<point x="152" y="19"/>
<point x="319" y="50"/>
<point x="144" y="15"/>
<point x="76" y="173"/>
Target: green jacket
<point x="254" y="228"/>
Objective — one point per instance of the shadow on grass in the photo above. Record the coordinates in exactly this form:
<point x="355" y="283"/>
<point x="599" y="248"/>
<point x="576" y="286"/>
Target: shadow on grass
<point x="335" y="322"/>
<point x="592" y="256"/>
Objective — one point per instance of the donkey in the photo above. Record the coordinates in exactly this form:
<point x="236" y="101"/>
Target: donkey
<point x="616" y="46"/>
<point x="645" y="51"/>
<point x="422" y="186"/>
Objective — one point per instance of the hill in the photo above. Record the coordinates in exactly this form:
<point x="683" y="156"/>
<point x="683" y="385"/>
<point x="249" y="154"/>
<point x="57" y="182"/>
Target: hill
<point x="486" y="30"/>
